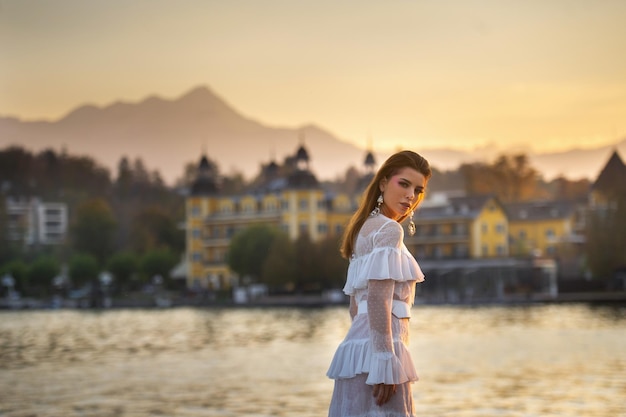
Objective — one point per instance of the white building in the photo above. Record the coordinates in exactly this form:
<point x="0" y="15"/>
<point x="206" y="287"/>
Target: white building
<point x="36" y="222"/>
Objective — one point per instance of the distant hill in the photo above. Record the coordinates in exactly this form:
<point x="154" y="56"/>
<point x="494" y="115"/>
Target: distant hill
<point x="167" y="134"/>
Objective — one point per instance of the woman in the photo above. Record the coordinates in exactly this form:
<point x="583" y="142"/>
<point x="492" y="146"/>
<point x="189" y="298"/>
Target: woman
<point x="372" y="367"/>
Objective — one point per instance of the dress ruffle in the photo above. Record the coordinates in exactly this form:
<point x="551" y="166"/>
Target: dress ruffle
<point x="355" y="357"/>
<point x="382" y="263"/>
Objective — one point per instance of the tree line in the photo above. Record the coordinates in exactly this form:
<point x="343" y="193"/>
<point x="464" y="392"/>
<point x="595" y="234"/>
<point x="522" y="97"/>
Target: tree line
<point x="264" y="254"/>
<point x="128" y="225"/>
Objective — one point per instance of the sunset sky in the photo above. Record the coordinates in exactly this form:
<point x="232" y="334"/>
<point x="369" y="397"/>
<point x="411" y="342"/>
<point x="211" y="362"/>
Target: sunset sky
<point x="544" y="75"/>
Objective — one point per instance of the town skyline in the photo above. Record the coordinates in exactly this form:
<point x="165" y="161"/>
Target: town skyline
<point x="538" y="76"/>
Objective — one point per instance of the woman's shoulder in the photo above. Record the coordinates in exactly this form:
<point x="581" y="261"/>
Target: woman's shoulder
<point x="384" y="229"/>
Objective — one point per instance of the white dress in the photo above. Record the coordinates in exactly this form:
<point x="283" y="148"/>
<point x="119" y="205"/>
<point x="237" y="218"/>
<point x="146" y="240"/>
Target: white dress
<point x="381" y="278"/>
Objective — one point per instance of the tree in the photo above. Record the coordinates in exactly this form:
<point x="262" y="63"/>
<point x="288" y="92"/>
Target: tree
<point x="510" y="178"/>
<point x="94" y="228"/>
<point x="279" y="268"/>
<point x="249" y="249"/>
<point x="563" y="189"/>
<point x="41" y="273"/>
<point x="19" y="271"/>
<point x="124" y="179"/>
<point x="158" y="262"/>
<point x="123" y="266"/>
<point x="332" y="267"/>
<point x="83" y="269"/>
<point x="307" y="267"/>
<point x="153" y="228"/>
<point x="8" y="249"/>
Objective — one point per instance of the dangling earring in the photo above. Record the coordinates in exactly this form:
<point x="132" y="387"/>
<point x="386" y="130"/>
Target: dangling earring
<point x="411" y="224"/>
<point x="376" y="210"/>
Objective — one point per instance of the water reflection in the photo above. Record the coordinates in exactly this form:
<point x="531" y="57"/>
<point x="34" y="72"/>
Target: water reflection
<point x="566" y="360"/>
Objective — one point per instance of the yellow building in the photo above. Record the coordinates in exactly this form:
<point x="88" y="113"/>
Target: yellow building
<point x="540" y="228"/>
<point x="460" y="228"/>
<point x="288" y="197"/>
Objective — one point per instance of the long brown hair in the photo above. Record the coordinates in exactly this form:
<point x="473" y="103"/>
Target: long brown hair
<point x="396" y="162"/>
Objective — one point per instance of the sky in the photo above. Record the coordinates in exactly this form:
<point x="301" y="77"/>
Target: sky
<point x="537" y="75"/>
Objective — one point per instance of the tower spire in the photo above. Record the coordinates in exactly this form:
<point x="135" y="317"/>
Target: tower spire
<point x="370" y="161"/>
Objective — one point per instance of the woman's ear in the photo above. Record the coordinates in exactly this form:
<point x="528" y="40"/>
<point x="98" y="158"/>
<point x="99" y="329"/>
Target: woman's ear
<point x="382" y="185"/>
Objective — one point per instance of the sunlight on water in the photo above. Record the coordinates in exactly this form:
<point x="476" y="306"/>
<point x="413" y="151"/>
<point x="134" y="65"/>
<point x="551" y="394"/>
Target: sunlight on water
<point x="552" y="360"/>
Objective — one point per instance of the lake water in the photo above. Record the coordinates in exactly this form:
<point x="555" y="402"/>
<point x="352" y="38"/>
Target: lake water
<point x="531" y="361"/>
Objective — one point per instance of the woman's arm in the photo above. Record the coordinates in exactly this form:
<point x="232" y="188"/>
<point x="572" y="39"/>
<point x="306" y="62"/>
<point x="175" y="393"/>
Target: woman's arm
<point x="379" y="301"/>
<point x="354" y="308"/>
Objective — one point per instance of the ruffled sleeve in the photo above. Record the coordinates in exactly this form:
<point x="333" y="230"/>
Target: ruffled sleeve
<point x="389" y="259"/>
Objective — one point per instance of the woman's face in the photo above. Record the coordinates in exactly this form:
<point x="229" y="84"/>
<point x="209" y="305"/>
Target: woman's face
<point x="400" y="192"/>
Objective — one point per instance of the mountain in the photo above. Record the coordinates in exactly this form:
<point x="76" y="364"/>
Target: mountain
<point x="167" y="134"/>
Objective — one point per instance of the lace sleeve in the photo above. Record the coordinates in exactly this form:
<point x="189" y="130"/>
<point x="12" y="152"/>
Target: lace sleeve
<point x="390" y="235"/>
<point x="379" y="299"/>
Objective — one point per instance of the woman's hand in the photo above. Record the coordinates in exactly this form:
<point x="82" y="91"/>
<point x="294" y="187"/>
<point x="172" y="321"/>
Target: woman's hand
<point x="383" y="393"/>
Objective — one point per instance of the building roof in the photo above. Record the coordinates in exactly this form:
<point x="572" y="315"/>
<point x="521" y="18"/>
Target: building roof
<point x="302" y="178"/>
<point x="539" y="210"/>
<point x="302" y="154"/>
<point x="370" y="162"/>
<point x="612" y="176"/>
<point x="455" y="207"/>
<point x="205" y="182"/>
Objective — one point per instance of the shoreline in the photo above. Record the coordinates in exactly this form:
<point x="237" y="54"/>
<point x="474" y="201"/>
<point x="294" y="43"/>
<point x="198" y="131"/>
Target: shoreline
<point x="304" y="301"/>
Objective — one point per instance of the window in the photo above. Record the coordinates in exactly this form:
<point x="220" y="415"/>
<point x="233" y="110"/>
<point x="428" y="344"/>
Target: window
<point x="500" y="250"/>
<point x="284" y="204"/>
<point x="322" y="228"/>
<point x="196" y="257"/>
<point x="460" y="251"/>
<point x="500" y="228"/>
<point x="550" y="233"/>
<point x="195" y="233"/>
<point x="195" y="211"/>
<point x="304" y="204"/>
<point x="522" y="234"/>
<point x="304" y="228"/>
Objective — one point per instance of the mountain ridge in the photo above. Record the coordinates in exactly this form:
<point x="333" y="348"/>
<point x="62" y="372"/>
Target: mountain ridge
<point x="169" y="133"/>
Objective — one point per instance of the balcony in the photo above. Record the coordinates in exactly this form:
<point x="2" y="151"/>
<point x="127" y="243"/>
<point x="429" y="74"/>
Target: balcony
<point x="242" y="216"/>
